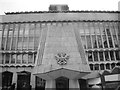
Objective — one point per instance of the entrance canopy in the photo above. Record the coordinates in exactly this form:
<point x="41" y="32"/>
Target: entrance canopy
<point x="71" y="74"/>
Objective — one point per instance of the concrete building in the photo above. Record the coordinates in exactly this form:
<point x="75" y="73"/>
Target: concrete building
<point x="58" y="48"/>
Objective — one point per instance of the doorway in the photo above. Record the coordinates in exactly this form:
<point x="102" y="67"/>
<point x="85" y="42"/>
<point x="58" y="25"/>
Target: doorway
<point x="6" y="79"/>
<point x="62" y="83"/>
<point x="23" y="81"/>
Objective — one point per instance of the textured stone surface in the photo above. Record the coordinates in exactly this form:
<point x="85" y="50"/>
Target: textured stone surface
<point x="61" y="38"/>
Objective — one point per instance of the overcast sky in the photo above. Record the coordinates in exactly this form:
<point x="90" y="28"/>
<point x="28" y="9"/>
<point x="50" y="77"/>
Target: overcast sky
<point x="42" y="5"/>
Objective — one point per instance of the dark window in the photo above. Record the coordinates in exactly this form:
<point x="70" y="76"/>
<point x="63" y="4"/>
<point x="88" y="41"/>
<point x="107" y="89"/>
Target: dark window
<point x="102" y="67"/>
<point x="96" y="67"/>
<point x="106" y="56"/>
<point x="117" y="55"/>
<point x="90" y="56"/>
<point x="91" y="67"/>
<point x="112" y="55"/>
<point x="112" y="65"/>
<point x="108" y="66"/>
<point x="95" y="54"/>
<point x="101" y="56"/>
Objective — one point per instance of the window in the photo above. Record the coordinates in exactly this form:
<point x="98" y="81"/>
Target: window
<point x="96" y="67"/>
<point x="115" y="41"/>
<point x="107" y="66"/>
<point x="25" y="58"/>
<point x="112" y="55"/>
<point x="13" y="58"/>
<point x="95" y="54"/>
<point x="91" y="66"/>
<point x="105" y="41"/>
<point x="19" y="42"/>
<point x="112" y="65"/>
<point x="25" y="43"/>
<point x="30" y="58"/>
<point x="117" y="53"/>
<point x="101" y="56"/>
<point x="99" y="41"/>
<point x="14" y="43"/>
<point x="5" y="30"/>
<point x="31" y="29"/>
<point x="102" y="67"/>
<point x="19" y="58"/>
<point x="94" y="41"/>
<point x="106" y="56"/>
<point x="90" y="56"/>
<point x="7" y="58"/>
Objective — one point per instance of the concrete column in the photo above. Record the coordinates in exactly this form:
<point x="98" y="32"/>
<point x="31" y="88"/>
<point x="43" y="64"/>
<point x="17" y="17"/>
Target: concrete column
<point x="50" y="84"/>
<point x="14" y="79"/>
<point x="32" y="81"/>
<point x="74" y="84"/>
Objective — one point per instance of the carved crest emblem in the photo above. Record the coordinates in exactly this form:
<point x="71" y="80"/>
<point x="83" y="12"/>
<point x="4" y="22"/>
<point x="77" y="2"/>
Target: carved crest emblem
<point x="62" y="58"/>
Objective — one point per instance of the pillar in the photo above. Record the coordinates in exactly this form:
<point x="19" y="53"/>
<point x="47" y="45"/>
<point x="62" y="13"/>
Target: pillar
<point x="50" y="84"/>
<point x="32" y="81"/>
<point x="14" y="79"/>
<point x="73" y="83"/>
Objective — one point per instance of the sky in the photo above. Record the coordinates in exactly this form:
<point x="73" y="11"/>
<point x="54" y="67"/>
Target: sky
<point x="42" y="5"/>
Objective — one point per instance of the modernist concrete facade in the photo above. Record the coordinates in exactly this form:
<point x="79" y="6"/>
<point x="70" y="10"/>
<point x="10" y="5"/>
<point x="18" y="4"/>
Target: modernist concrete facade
<point x="57" y="48"/>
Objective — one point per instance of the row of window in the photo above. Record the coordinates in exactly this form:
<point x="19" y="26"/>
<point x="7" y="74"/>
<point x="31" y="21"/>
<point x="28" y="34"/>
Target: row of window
<point x="20" y="36"/>
<point x="93" y="35"/>
<point x="99" y="34"/>
<point x="107" y="66"/>
<point x="24" y="58"/>
<point x="103" y="56"/>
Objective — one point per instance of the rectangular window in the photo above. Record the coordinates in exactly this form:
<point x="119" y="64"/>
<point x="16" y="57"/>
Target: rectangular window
<point x="19" y="58"/>
<point x="99" y="41"/>
<point x="7" y="58"/>
<point x="115" y="41"/>
<point x="117" y="53"/>
<point x="94" y="41"/>
<point x="105" y="41"/>
<point x="95" y="54"/>
<point x="14" y="43"/>
<point x="90" y="57"/>
<point x="5" y="30"/>
<point x="101" y="56"/>
<point x="31" y="43"/>
<point x="13" y="58"/>
<point x="26" y="32"/>
<point x="8" y="43"/>
<point x="25" y="58"/>
<point x="19" y="43"/>
<point x="31" y="29"/>
<point x="112" y="55"/>
<point x="106" y="56"/>
<point x="30" y="58"/>
<point x="25" y="43"/>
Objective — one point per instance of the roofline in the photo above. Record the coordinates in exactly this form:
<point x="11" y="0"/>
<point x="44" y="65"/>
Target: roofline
<point x="54" y="21"/>
<point x="77" y="11"/>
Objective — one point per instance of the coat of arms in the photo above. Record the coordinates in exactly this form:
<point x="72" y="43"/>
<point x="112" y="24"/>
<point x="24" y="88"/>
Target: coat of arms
<point x="62" y="58"/>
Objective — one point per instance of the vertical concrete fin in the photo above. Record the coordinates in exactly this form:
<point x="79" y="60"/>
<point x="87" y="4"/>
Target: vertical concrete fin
<point x="41" y="46"/>
<point x="80" y="46"/>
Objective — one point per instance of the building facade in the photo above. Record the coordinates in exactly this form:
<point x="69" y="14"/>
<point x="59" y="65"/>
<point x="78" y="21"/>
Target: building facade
<point x="57" y="48"/>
